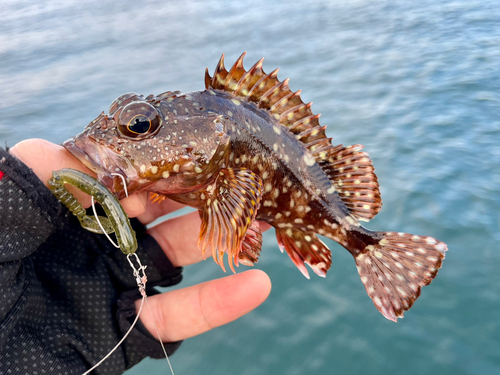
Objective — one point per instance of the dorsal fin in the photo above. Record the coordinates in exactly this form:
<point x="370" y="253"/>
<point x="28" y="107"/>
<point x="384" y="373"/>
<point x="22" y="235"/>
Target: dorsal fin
<point x="266" y="91"/>
<point x="350" y="171"/>
<point x="353" y="176"/>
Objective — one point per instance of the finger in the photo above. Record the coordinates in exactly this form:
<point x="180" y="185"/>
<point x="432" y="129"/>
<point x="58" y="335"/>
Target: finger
<point x="178" y="237"/>
<point x="188" y="312"/>
<point x="154" y="210"/>
<point x="43" y="157"/>
<point x="135" y="204"/>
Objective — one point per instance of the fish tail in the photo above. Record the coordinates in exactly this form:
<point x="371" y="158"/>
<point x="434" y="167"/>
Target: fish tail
<point x="395" y="266"/>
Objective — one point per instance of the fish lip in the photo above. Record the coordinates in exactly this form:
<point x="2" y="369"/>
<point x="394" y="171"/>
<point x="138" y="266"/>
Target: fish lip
<point x="81" y="155"/>
<point x="104" y="162"/>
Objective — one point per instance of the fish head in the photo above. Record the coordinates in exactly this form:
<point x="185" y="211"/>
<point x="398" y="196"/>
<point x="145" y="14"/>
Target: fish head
<point x="147" y="143"/>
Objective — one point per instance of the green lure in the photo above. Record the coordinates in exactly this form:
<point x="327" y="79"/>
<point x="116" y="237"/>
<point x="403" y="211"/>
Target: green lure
<point x="117" y="221"/>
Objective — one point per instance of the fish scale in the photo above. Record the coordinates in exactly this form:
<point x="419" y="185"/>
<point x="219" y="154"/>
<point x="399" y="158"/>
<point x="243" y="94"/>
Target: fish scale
<point x="247" y="149"/>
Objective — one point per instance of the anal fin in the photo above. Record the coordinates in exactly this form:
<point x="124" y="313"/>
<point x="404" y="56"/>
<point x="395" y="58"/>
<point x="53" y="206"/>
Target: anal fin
<point x="305" y="248"/>
<point x="229" y="211"/>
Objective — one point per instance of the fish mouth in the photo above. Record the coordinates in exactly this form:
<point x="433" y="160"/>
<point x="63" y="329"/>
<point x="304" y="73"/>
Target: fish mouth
<point x="113" y="170"/>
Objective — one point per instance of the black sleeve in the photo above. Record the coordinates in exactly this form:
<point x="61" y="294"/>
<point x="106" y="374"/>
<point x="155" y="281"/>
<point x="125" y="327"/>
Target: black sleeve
<point x="67" y="295"/>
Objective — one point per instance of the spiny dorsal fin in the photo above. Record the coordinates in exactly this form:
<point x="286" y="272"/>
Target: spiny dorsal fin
<point x="266" y="91"/>
<point x="351" y="172"/>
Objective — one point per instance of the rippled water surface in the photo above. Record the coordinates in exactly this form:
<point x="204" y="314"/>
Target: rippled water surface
<point x="418" y="83"/>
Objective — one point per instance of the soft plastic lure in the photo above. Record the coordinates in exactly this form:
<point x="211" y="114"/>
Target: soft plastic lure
<point x="117" y="220"/>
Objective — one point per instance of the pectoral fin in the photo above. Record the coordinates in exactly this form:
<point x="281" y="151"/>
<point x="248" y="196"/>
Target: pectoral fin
<point x="231" y="205"/>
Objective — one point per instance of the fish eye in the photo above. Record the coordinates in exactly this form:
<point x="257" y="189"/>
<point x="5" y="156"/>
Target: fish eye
<point x="139" y="124"/>
<point x="138" y="120"/>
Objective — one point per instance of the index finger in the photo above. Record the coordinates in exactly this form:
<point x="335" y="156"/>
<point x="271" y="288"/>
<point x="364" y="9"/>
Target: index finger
<point x="178" y="237"/>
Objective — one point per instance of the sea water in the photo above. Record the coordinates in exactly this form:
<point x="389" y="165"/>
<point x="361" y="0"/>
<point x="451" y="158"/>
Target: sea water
<point x="416" y="82"/>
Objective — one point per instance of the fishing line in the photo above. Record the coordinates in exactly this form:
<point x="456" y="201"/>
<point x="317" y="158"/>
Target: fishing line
<point x="100" y="225"/>
<point x="120" y="342"/>
<point x="159" y="337"/>
<point x="141" y="280"/>
<point x="123" y="182"/>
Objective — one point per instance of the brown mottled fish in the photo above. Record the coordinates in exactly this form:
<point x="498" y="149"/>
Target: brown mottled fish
<point x="245" y="149"/>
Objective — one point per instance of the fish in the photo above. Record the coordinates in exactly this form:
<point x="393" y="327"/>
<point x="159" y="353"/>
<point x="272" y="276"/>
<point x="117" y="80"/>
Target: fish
<point x="248" y="149"/>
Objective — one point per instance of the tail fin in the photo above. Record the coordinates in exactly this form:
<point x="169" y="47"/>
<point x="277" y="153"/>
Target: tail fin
<point x="395" y="268"/>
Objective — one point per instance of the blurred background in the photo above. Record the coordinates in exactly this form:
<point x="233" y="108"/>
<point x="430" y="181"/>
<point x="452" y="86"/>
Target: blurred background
<point x="418" y="83"/>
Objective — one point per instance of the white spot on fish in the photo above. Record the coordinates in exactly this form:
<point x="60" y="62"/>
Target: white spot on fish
<point x="350" y="220"/>
<point x="430" y="241"/>
<point x="276" y="193"/>
<point x="309" y="160"/>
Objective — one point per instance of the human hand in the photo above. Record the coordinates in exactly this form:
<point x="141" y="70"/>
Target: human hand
<point x="182" y="313"/>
